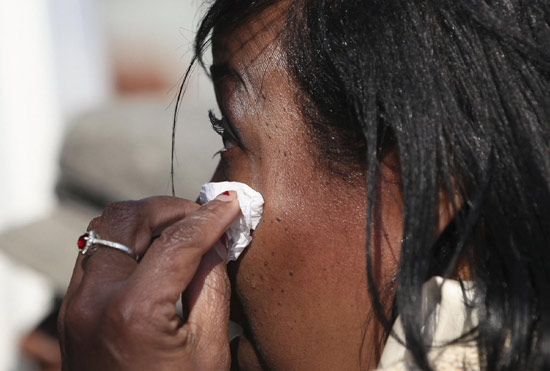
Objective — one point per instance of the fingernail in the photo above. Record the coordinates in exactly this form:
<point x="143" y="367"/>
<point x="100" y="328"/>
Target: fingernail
<point x="226" y="196"/>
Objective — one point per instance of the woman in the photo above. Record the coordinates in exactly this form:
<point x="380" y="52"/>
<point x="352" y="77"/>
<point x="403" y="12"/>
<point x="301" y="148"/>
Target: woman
<point x="427" y="122"/>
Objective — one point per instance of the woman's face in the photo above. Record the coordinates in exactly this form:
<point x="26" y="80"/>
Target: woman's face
<point x="300" y="289"/>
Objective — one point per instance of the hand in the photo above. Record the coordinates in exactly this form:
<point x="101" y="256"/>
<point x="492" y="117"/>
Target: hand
<point x="119" y="314"/>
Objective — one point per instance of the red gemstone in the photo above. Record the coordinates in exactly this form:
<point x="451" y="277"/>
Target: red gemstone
<point x="82" y="241"/>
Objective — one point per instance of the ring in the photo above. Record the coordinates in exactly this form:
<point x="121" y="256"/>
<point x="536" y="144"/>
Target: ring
<point x="90" y="241"/>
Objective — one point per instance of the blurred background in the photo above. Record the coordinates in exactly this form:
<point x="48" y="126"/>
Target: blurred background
<point x="87" y="93"/>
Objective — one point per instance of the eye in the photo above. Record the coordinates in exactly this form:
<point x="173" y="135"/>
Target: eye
<point x="226" y="130"/>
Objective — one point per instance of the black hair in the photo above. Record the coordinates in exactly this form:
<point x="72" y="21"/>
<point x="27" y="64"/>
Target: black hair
<point x="461" y="90"/>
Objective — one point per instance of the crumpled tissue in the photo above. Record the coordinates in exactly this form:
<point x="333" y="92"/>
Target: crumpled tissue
<point x="238" y="234"/>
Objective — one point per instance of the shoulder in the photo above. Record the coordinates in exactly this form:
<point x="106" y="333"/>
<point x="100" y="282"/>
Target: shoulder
<point x="447" y="315"/>
<point x="452" y="357"/>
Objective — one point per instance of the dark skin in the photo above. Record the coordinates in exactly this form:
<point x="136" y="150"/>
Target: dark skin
<point x="121" y="315"/>
<point x="299" y="290"/>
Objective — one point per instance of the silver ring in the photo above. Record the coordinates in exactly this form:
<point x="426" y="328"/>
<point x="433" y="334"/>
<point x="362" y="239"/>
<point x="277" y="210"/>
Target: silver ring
<point x="90" y="241"/>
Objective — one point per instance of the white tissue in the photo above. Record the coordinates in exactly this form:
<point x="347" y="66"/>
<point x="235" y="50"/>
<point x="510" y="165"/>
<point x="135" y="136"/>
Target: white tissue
<point x="252" y="205"/>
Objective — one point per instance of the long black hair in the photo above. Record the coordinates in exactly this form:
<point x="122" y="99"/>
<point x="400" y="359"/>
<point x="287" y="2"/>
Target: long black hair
<point x="461" y="90"/>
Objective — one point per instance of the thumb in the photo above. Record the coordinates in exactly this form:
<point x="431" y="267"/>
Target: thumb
<point x="206" y="301"/>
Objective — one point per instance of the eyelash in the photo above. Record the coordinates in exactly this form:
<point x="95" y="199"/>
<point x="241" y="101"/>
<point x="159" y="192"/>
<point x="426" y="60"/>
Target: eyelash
<point x="224" y="129"/>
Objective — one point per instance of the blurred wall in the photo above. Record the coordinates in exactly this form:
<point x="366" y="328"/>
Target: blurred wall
<point x="52" y="66"/>
<point x="149" y="41"/>
<point x="94" y="67"/>
<point x="61" y="58"/>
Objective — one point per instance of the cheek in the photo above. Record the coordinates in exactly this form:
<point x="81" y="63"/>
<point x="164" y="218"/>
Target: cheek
<point x="235" y="166"/>
<point x="302" y="280"/>
<point x="289" y="281"/>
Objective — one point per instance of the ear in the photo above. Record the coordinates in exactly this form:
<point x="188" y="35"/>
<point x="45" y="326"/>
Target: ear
<point x="446" y="211"/>
<point x="447" y="206"/>
<point x="391" y="167"/>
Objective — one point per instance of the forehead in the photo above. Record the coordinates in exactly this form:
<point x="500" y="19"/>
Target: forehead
<point x="247" y="45"/>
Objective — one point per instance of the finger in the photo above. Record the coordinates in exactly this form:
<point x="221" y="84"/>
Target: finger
<point x="207" y="300"/>
<point x="127" y="222"/>
<point x="173" y="258"/>
<point x="133" y="224"/>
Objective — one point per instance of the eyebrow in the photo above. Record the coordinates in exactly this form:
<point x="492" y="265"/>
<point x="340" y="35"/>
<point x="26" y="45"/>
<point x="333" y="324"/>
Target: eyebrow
<point x="222" y="70"/>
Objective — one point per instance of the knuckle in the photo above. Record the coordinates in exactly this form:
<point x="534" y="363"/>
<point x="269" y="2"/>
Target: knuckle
<point x="118" y="213"/>
<point x="187" y="234"/>
<point x="126" y="317"/>
<point x="79" y="314"/>
<point x="215" y="209"/>
<point x="191" y="231"/>
<point x="119" y="314"/>
<point x="94" y="223"/>
<point x="122" y="209"/>
<point x="120" y="319"/>
<point x="123" y="216"/>
<point x="203" y="219"/>
<point x="132" y="319"/>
